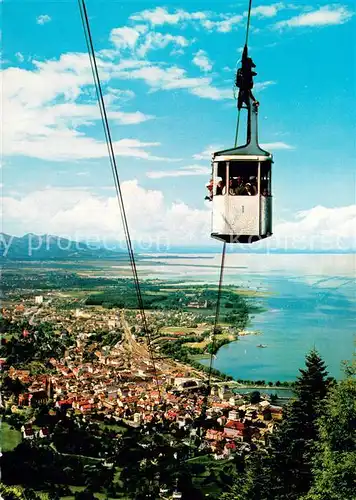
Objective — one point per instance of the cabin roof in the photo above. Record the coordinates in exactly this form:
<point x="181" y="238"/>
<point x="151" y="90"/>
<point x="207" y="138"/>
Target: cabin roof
<point x="230" y="157"/>
<point x="249" y="149"/>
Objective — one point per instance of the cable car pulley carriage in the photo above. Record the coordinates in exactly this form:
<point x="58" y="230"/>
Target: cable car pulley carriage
<point x="241" y="176"/>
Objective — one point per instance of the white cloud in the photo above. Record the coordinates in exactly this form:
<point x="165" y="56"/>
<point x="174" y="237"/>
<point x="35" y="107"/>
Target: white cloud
<point x="267" y="10"/>
<point x="319" y="228"/>
<point x="81" y="214"/>
<point x="224" y="26"/>
<point x="49" y="79"/>
<point x="202" y="61"/>
<point x="86" y="114"/>
<point x="47" y="111"/>
<point x="223" y="23"/>
<point x="259" y="86"/>
<point x="43" y="19"/>
<point x="181" y="172"/>
<point x="112" y="95"/>
<point x="19" y="56"/>
<point x="206" y="154"/>
<point x="273" y="146"/>
<point x="42" y="116"/>
<point x="160" y="16"/>
<point x="138" y="41"/>
<point x="127" y="37"/>
<point x="208" y="91"/>
<point x="64" y="145"/>
<point x="161" y="77"/>
<point x="154" y="40"/>
<point x="324" y="16"/>
<point x="176" y="52"/>
<point x="173" y="77"/>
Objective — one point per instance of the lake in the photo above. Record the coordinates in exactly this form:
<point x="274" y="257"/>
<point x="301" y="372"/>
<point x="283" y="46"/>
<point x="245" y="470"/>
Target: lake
<point x="310" y="302"/>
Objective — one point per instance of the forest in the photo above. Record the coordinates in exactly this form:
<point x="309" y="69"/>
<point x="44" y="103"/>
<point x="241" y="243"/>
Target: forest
<point x="26" y="344"/>
<point x="162" y="296"/>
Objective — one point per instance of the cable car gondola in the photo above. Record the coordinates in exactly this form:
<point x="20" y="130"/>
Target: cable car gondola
<point x="241" y="176"/>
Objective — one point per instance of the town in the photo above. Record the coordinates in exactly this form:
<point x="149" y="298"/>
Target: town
<point x="93" y="363"/>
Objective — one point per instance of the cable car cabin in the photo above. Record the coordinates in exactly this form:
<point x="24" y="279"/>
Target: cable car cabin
<point x="242" y="202"/>
<point x="242" y="199"/>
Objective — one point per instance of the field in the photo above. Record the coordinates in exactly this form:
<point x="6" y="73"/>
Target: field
<point x="105" y="283"/>
<point x="10" y="438"/>
<point x="183" y="329"/>
<point x="205" y="342"/>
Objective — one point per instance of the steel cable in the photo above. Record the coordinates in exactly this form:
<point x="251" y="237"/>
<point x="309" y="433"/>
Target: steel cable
<point x="112" y="159"/>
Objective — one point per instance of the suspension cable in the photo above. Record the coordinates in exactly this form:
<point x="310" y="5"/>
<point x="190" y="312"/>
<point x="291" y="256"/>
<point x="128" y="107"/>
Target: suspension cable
<point x="248" y="21"/>
<point x="217" y="312"/>
<point x="213" y="344"/>
<point x="113" y="164"/>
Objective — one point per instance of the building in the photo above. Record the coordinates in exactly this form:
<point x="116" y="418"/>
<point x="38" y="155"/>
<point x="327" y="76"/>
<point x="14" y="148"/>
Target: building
<point x="43" y="433"/>
<point x="112" y="323"/>
<point x="39" y="299"/>
<point x="276" y="412"/>
<point x="137" y="418"/>
<point x="27" y="432"/>
<point x="237" y="430"/>
<point x="182" y="383"/>
<point x="233" y="415"/>
<point x="198" y="304"/>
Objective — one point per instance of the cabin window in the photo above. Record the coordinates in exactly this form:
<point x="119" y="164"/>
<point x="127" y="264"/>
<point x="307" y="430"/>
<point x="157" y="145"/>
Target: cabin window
<point x="266" y="188"/>
<point x="243" y="178"/>
<point x="220" y="178"/>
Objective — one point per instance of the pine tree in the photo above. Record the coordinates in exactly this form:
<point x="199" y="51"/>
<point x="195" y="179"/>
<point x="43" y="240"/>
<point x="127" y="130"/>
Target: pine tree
<point x="254" y="483"/>
<point x="313" y="382"/>
<point x="335" y="464"/>
<point x="286" y="471"/>
<point x="293" y="446"/>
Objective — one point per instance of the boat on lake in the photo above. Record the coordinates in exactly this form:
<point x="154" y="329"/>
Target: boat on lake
<point x="262" y="345"/>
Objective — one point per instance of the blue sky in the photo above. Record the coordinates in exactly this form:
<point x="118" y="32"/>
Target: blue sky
<point x="167" y="70"/>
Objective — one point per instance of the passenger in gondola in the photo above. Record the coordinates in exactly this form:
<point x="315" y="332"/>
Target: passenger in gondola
<point x="232" y="187"/>
<point x="240" y="189"/>
<point x="220" y="188"/>
<point x="209" y="186"/>
<point x="253" y="182"/>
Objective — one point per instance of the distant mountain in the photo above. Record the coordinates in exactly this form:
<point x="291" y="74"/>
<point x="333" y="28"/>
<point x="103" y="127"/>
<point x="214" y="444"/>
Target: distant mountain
<point x="48" y="247"/>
